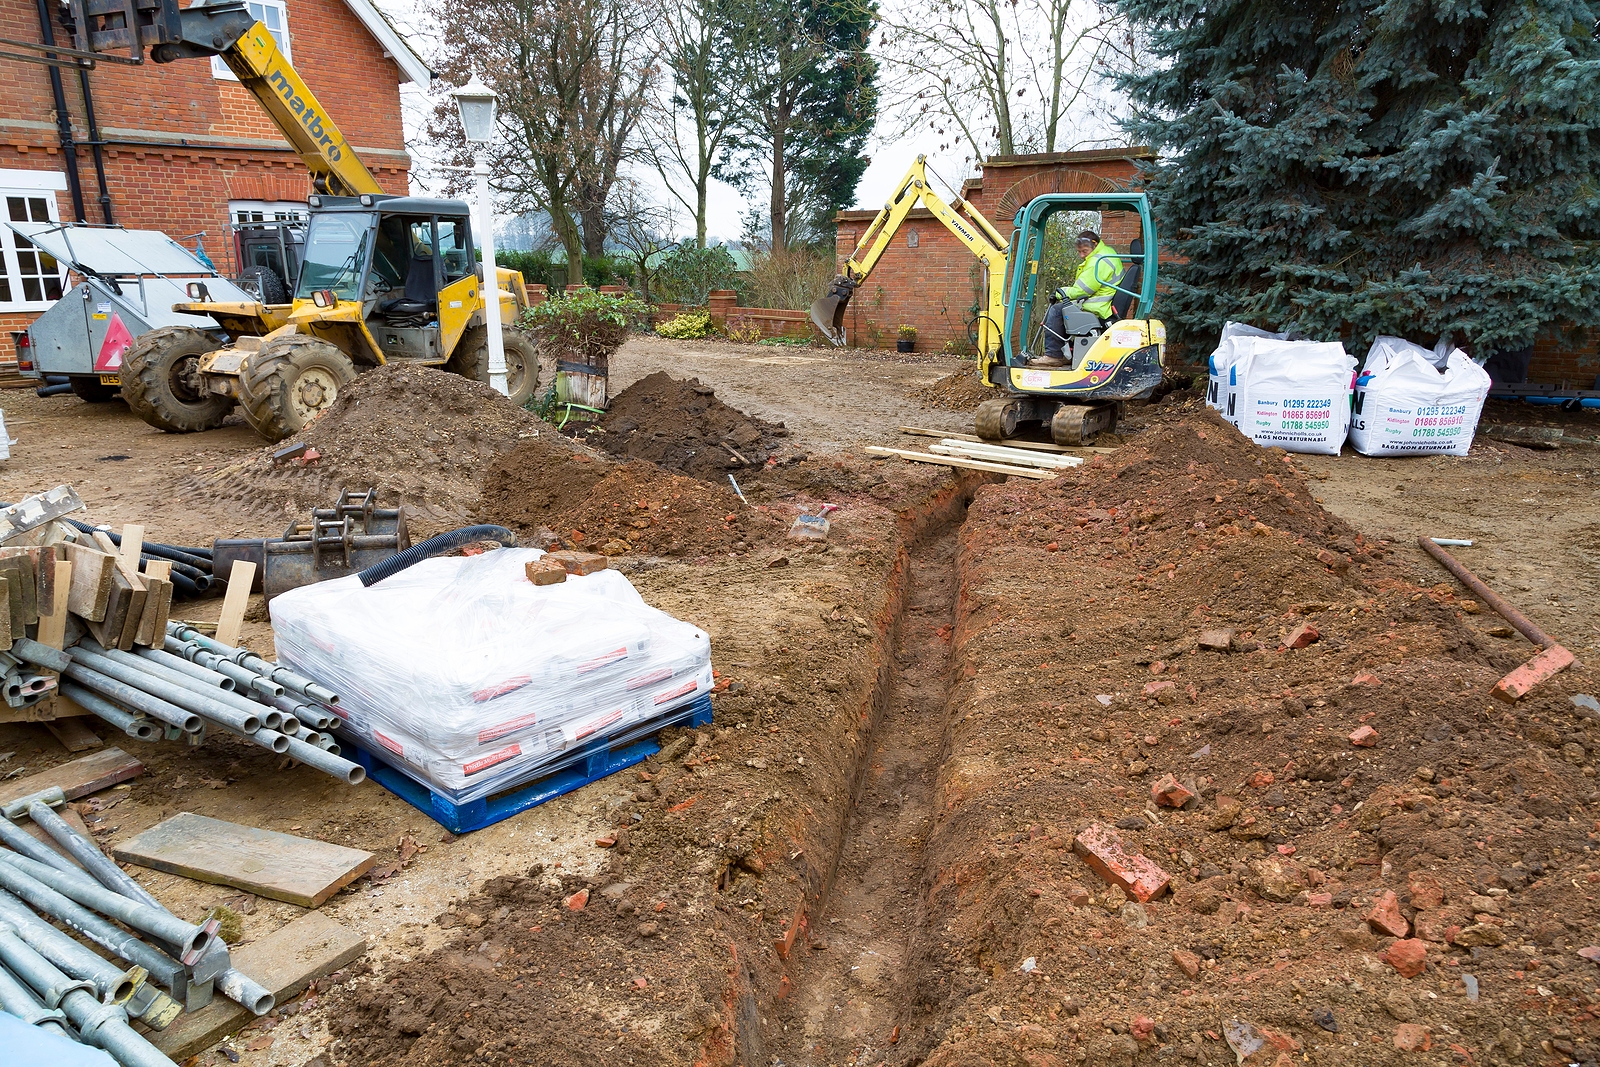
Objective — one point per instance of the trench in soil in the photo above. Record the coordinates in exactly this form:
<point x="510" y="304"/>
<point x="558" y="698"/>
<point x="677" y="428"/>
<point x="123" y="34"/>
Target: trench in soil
<point x="851" y="987"/>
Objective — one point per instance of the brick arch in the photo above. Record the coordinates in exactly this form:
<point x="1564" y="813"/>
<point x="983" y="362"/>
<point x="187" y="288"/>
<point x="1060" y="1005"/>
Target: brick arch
<point x="1059" y="180"/>
<point x="247" y="185"/>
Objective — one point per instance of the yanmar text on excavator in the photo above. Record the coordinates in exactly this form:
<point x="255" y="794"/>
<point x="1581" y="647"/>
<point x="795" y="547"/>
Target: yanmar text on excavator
<point x="1108" y="360"/>
<point x="380" y="277"/>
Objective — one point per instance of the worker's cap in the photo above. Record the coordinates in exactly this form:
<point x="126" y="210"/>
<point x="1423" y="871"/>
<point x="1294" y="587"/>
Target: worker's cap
<point x="1089" y="236"/>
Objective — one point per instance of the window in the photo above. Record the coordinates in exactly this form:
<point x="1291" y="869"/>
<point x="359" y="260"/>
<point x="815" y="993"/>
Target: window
<point x="30" y="278"/>
<point x="276" y="16"/>
<point x="454" y="248"/>
<point x="248" y="211"/>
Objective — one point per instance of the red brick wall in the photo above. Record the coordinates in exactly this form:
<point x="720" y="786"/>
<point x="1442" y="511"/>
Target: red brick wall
<point x="1562" y="360"/>
<point x="184" y="189"/>
<point x="935" y="285"/>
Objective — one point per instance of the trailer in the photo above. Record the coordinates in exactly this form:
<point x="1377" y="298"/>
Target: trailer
<point x="129" y="281"/>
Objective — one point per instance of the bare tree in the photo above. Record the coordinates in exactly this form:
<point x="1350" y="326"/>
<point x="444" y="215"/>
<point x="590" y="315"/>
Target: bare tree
<point x="1008" y="76"/>
<point x="687" y="123"/>
<point x="571" y="77"/>
<point x="640" y="227"/>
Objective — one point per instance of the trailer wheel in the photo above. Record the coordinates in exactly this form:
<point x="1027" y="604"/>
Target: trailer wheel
<point x="290" y="381"/>
<point x="471" y="360"/>
<point x="162" y="385"/>
<point x="90" y="390"/>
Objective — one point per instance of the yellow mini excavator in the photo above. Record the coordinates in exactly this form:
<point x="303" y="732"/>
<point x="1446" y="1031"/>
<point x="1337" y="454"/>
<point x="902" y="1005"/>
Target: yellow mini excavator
<point x="1108" y="361"/>
<point x="383" y="278"/>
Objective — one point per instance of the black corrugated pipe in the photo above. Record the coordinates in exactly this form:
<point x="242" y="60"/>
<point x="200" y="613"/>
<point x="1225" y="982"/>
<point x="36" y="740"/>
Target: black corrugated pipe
<point x="52" y="390"/>
<point x="433" y="546"/>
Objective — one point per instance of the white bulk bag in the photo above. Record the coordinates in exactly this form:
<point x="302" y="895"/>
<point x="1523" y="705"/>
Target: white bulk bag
<point x="1221" y="364"/>
<point x="1293" y="394"/>
<point x="1407" y="404"/>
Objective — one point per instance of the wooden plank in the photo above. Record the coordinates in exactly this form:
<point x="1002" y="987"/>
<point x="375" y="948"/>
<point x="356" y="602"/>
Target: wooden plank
<point x="296" y="870"/>
<point x="967" y="464"/>
<point x="108" y="631"/>
<point x="285" y="961"/>
<point x="74" y="734"/>
<point x="1035" y="446"/>
<point x="236" y="600"/>
<point x="5" y="613"/>
<point x="130" y="625"/>
<point x="78" y="778"/>
<point x="18" y="563"/>
<point x="14" y="604"/>
<point x="104" y="543"/>
<point x="158" y="599"/>
<point x="92" y="576"/>
<point x="132" y="545"/>
<point x="53" y="627"/>
<point x="1015" y="456"/>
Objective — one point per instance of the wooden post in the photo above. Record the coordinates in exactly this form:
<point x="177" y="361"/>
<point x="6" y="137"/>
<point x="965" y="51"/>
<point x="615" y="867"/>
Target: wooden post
<point x="236" y="600"/>
<point x="53" y="627"/>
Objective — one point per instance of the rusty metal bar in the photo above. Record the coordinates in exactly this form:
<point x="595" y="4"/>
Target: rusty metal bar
<point x="1517" y="619"/>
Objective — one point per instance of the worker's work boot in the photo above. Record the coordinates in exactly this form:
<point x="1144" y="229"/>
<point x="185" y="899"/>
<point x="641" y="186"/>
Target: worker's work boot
<point x="1047" y="361"/>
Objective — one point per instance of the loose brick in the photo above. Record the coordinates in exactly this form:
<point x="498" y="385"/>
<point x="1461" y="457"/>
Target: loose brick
<point x="579" y="563"/>
<point x="577" y="900"/>
<point x="544" y="571"/>
<point x="1409" y="956"/>
<point x="1384" y="915"/>
<point x="1187" y="961"/>
<point x="1426" y="891"/>
<point x="1301" y="636"/>
<point x="1102" y="849"/>
<point x="1216" y="640"/>
<point x="1363" y="737"/>
<point x="1413" y="1037"/>
<point x="1169" y="792"/>
<point x="1547" y="664"/>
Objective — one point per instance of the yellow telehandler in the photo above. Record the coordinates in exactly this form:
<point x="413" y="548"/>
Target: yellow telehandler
<point x="1109" y="360"/>
<point x="383" y="278"/>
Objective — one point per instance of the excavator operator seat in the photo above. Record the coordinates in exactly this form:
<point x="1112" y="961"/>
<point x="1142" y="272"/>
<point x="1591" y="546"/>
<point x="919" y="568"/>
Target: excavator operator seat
<point x="421" y="289"/>
<point x="1124" y="303"/>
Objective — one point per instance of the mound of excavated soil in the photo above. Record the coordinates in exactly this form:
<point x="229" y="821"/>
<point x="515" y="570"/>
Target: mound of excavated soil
<point x="960" y="391"/>
<point x="594" y="503"/>
<point x="682" y="426"/>
<point x="422" y="436"/>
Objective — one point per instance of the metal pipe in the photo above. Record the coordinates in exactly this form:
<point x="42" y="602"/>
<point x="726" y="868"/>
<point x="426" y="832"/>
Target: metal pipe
<point x="134" y="697"/>
<point x="114" y="986"/>
<point x="204" y="689"/>
<point x="244" y="990"/>
<point x="252" y="662"/>
<point x="143" y="674"/>
<point x="271" y="740"/>
<point x="88" y="854"/>
<point x="193" y="653"/>
<point x="1524" y="625"/>
<point x="18" y="840"/>
<point x="327" y="762"/>
<point x="155" y="921"/>
<point x="104" y="1026"/>
<point x="40" y="655"/>
<point x="193" y="670"/>
<point x="128" y="723"/>
<point x="19" y="1000"/>
<point x="314" y="715"/>
<point x="166" y="970"/>
<point x="272" y="720"/>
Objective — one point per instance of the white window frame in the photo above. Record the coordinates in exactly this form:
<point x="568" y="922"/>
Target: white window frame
<point x="259" y="9"/>
<point x="267" y="211"/>
<point x="37" y="185"/>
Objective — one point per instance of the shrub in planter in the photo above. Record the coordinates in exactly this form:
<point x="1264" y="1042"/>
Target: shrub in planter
<point x="583" y="326"/>
<point x="686" y="326"/>
<point x="907" y="341"/>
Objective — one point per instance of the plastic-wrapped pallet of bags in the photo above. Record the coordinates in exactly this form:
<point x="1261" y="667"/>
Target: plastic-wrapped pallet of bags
<point x="1407" y="404"/>
<point x="1223" y="379"/>
<point x="474" y="680"/>
<point x="1293" y="394"/>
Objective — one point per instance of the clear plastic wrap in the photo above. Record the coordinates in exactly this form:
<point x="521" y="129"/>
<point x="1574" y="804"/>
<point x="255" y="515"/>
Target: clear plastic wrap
<point x="465" y="674"/>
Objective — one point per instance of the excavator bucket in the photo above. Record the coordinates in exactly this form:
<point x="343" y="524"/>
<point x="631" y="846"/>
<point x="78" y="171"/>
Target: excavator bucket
<point x="828" y="313"/>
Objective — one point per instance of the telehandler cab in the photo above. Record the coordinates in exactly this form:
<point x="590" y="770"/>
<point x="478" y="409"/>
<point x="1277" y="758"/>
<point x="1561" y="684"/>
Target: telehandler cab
<point x="1108" y="362"/>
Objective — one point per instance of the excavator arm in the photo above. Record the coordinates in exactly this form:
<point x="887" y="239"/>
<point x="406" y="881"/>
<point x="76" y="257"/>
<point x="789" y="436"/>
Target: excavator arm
<point x="962" y="219"/>
<point x="227" y="29"/>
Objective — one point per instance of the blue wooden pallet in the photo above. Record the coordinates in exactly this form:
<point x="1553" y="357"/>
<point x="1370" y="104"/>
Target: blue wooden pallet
<point x="604" y="757"/>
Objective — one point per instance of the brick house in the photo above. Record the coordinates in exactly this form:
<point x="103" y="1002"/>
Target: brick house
<point x="181" y="147"/>
<point x="929" y="280"/>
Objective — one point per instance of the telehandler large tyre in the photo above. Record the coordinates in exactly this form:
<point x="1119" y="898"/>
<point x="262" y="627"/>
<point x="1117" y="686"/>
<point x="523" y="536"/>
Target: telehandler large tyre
<point x="162" y="385"/>
<point x="471" y="360"/>
<point x="290" y="381"/>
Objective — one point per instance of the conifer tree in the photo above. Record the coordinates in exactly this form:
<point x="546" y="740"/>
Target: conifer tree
<point x="1354" y="167"/>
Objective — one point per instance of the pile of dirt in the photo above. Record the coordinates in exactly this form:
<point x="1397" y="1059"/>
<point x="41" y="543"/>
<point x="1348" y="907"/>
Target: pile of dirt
<point x="960" y="391"/>
<point x="681" y="426"/>
<point x="421" y="436"/>
<point x="628" y="509"/>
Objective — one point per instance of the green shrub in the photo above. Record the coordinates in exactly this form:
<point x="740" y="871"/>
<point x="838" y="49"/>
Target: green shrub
<point x="687" y="274"/>
<point x="687" y="326"/>
<point x="544" y="269"/>
<point x="584" y="327"/>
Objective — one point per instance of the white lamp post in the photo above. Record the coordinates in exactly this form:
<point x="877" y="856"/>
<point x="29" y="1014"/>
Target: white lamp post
<point x="475" y="101"/>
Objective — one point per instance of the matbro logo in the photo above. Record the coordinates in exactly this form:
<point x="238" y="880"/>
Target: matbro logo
<point x="308" y="115"/>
